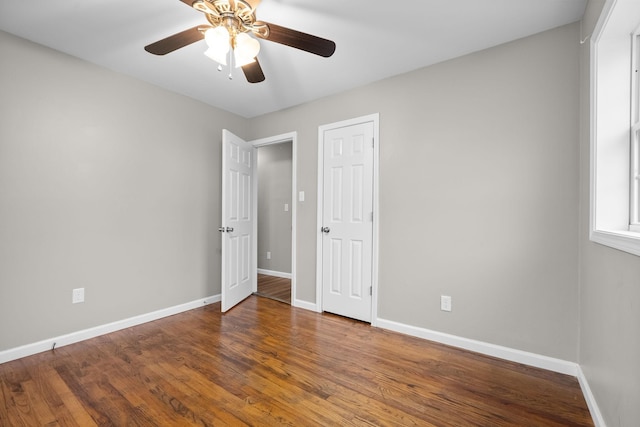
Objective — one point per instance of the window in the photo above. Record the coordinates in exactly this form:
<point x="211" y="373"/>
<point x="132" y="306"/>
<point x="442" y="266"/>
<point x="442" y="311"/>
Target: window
<point x="635" y="134"/>
<point x="615" y="127"/>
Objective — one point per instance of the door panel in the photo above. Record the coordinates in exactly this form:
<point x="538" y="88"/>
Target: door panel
<point x="238" y="253"/>
<point x="347" y="220"/>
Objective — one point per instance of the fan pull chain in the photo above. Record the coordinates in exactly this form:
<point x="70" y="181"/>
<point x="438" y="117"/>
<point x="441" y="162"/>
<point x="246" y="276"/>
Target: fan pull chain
<point x="230" y="65"/>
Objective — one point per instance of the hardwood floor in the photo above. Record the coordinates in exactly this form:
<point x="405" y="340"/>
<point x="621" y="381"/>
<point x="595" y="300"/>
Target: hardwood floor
<point x="274" y="287"/>
<point x="264" y="363"/>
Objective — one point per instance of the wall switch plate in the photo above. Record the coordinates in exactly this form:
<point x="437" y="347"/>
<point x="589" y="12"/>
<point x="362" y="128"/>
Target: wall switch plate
<point x="301" y="196"/>
<point x="268" y="255"/>
<point x="286" y="207"/>
<point x="445" y="303"/>
<point x="77" y="295"/>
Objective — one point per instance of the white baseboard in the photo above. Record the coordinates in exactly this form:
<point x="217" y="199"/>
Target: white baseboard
<point x="274" y="273"/>
<point x="596" y="415"/>
<point x="506" y="353"/>
<point x="306" y="305"/>
<point x="62" y="340"/>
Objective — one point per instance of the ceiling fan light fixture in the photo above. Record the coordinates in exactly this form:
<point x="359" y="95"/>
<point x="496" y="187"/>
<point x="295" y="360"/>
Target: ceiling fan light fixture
<point x="218" y="41"/>
<point x="245" y="49"/>
<point x="216" y="56"/>
<point x="242" y="61"/>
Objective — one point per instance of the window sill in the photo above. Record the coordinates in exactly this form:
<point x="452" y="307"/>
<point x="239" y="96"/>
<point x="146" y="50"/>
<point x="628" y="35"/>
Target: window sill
<point x="627" y="241"/>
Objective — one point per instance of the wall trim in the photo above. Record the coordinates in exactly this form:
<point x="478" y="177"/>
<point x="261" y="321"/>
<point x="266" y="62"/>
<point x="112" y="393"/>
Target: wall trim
<point x="506" y="353"/>
<point x="274" y="273"/>
<point x="62" y="340"/>
<point x="596" y="415"/>
<point x="277" y="139"/>
<point x="306" y="305"/>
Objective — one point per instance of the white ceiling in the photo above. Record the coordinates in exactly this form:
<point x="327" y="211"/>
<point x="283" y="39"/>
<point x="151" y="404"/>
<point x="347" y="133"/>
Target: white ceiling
<point x="374" y="39"/>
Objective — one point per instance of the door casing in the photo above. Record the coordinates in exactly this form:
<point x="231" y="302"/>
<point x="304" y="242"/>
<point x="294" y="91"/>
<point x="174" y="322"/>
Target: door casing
<point x="277" y="139"/>
<point x="375" y="118"/>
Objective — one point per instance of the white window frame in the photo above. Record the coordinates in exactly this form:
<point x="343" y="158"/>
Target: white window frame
<point x="634" y="220"/>
<point x="614" y="192"/>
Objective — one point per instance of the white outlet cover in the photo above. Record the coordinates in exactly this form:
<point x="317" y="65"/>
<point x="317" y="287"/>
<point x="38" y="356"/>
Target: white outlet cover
<point x="445" y="303"/>
<point x="77" y="295"/>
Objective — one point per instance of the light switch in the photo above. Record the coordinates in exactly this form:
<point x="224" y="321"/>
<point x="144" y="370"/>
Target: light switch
<point x="301" y="196"/>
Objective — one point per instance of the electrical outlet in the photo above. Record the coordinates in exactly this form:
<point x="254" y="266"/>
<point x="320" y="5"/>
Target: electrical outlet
<point x="445" y="303"/>
<point x="268" y="255"/>
<point x="77" y="295"/>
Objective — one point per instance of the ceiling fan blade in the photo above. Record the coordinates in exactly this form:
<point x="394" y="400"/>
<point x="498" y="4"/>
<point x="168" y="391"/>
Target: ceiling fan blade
<point x="253" y="72"/>
<point x="176" y="41"/>
<point x="297" y="39"/>
<point x="188" y="2"/>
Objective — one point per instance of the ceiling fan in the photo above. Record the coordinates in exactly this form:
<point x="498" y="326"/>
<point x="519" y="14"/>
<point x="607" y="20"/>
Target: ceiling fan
<point x="228" y="36"/>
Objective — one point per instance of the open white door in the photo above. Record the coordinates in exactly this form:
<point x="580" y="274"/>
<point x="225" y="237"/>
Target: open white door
<point x="238" y="251"/>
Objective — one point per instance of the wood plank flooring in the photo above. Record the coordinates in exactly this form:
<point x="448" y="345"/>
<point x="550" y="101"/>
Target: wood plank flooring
<point x="265" y="363"/>
<point x="274" y="287"/>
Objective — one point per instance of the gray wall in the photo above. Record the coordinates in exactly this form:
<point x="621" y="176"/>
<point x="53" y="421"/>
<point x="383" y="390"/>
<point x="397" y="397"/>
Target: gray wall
<point x="274" y="191"/>
<point x="106" y="183"/>
<point x="478" y="192"/>
<point x="610" y="293"/>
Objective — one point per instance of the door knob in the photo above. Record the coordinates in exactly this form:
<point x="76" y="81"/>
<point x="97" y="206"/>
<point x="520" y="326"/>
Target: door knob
<point x="325" y="229"/>
<point x="221" y="229"/>
<point x="229" y="230"/>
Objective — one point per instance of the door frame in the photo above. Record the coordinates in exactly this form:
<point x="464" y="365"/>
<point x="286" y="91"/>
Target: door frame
<point x="375" y="118"/>
<point x="272" y="140"/>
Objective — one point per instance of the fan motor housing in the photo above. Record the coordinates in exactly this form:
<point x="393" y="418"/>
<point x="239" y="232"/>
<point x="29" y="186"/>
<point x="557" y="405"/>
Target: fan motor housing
<point x="237" y="15"/>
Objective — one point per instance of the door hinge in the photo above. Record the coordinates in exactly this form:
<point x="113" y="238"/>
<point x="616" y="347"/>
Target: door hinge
<point x="370" y="290"/>
<point x="373" y="143"/>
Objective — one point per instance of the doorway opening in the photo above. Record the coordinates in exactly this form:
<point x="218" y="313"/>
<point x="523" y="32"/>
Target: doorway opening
<point x="276" y="214"/>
